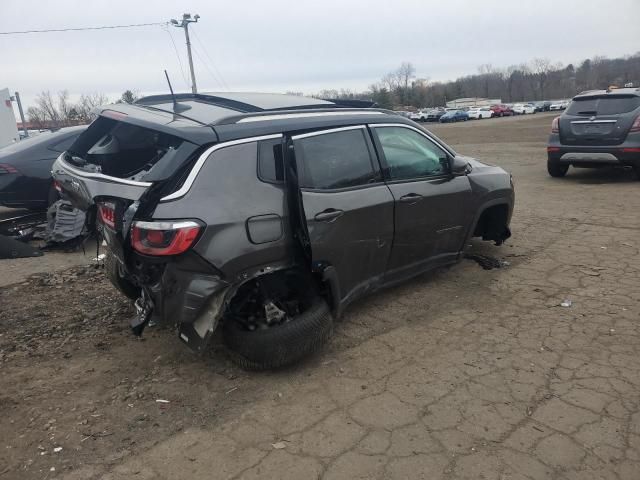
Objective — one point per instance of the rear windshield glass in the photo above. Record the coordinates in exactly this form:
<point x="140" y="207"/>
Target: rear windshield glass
<point x="120" y="149"/>
<point x="603" y="106"/>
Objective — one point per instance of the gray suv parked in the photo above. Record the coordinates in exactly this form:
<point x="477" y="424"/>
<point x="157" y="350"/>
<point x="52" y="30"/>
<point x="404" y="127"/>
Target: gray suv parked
<point x="269" y="214"/>
<point x="599" y="128"/>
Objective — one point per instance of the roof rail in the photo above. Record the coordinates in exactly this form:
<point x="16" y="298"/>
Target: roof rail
<point x="305" y="114"/>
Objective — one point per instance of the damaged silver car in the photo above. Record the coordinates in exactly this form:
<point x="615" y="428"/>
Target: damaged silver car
<point x="266" y="215"/>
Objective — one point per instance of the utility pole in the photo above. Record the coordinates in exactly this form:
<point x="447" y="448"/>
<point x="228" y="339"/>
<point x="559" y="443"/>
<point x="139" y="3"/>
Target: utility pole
<point x="24" y="123"/>
<point x="186" y="20"/>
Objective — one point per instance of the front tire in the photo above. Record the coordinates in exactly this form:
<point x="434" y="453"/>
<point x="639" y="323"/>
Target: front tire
<point x="557" y="169"/>
<point x="280" y="345"/>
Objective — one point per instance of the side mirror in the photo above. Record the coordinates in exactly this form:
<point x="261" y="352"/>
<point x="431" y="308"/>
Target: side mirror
<point x="459" y="166"/>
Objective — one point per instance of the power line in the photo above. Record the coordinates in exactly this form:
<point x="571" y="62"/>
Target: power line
<point x="84" y="28"/>
<point x="204" y="49"/>
<point x="175" y="48"/>
<point x="213" y="75"/>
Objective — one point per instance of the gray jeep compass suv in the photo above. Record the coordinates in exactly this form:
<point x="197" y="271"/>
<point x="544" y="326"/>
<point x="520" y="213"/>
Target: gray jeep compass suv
<point x="268" y="214"/>
<point x="599" y="128"/>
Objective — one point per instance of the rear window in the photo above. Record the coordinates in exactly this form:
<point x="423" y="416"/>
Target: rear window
<point x="120" y="149"/>
<point x="603" y="106"/>
<point x="334" y="160"/>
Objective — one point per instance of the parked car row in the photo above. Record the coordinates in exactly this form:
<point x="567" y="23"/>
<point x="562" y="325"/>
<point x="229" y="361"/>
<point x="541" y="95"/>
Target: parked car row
<point x="440" y="114"/>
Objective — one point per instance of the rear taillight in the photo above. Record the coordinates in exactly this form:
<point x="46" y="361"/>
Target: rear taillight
<point x="555" y="125"/>
<point x="107" y="212"/>
<point x="170" y="237"/>
<point x="636" y="125"/>
<point x="5" y="168"/>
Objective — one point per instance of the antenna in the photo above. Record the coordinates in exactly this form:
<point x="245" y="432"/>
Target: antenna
<point x="173" y="96"/>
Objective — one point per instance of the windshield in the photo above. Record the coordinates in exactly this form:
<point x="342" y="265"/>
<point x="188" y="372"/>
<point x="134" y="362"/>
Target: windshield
<point x="612" y="105"/>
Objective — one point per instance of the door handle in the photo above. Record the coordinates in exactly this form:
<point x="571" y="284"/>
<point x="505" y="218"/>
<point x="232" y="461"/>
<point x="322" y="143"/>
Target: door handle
<point x="411" y="198"/>
<point x="328" y="215"/>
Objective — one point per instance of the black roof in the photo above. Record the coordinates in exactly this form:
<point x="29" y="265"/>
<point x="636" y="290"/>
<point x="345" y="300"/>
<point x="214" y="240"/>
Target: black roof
<point x="212" y="108"/>
<point x="207" y="117"/>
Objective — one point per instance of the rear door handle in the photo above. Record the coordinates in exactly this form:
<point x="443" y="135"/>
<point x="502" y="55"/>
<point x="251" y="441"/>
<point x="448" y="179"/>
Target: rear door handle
<point x="328" y="215"/>
<point x="411" y="198"/>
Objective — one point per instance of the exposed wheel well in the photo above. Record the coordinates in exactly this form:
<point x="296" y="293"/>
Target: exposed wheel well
<point x="493" y="224"/>
<point x="291" y="289"/>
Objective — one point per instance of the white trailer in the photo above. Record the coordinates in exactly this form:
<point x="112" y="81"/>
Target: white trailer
<point x="8" y="125"/>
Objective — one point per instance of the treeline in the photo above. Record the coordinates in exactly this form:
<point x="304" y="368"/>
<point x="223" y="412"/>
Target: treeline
<point x="56" y="111"/>
<point x="540" y="79"/>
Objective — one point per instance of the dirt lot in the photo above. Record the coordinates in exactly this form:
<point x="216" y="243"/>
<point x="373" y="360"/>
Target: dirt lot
<point x="460" y="374"/>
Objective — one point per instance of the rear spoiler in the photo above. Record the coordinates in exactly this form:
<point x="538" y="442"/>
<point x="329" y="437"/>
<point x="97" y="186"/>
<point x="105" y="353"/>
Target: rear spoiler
<point x="152" y="118"/>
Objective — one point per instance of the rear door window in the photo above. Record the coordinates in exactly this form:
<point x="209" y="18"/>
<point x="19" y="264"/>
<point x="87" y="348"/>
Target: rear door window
<point x="334" y="159"/>
<point x="613" y="105"/>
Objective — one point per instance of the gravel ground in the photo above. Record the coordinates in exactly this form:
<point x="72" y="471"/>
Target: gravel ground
<point x="460" y="374"/>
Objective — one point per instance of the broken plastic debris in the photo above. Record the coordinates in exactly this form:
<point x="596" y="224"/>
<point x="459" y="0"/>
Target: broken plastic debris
<point x="566" y="303"/>
<point x="52" y="469"/>
<point x="279" y="445"/>
<point x="57" y="449"/>
<point x="160" y="400"/>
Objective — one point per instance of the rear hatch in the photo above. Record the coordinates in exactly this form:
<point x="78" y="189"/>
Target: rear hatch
<point x="124" y="161"/>
<point x="599" y="120"/>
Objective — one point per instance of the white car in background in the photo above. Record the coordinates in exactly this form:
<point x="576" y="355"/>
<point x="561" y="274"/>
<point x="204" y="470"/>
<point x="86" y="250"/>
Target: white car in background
<point x="478" y="113"/>
<point x="419" y="116"/>
<point x="559" y="105"/>
<point x="523" y="108"/>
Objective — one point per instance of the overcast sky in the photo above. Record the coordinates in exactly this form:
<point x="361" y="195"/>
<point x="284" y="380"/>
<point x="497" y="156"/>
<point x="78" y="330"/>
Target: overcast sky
<point x="298" y="45"/>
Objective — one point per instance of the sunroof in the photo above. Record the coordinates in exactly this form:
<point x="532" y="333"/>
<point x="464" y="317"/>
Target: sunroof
<point x="270" y="101"/>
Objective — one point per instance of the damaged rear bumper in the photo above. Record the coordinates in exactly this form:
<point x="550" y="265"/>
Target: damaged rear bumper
<point x="194" y="302"/>
<point x="188" y="294"/>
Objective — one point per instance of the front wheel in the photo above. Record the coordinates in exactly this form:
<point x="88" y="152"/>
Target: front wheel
<point x="557" y="169"/>
<point x="282" y="344"/>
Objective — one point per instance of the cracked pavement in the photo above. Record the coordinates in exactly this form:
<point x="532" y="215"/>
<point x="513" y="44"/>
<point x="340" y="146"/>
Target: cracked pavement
<point x="459" y="374"/>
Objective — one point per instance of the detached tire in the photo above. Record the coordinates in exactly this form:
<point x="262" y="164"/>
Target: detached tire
<point x="112" y="270"/>
<point x="280" y="345"/>
<point x="557" y="169"/>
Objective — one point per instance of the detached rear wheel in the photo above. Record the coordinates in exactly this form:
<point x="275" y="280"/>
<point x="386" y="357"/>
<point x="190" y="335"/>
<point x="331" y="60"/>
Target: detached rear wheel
<point x="112" y="269"/>
<point x="274" y="322"/>
<point x="557" y="169"/>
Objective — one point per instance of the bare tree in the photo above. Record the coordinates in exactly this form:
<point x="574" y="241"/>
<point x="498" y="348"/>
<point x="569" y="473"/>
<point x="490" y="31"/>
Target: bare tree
<point x="405" y="74"/>
<point x="86" y="105"/>
<point x="48" y="109"/>
<point x="61" y="112"/>
<point x="390" y="82"/>
<point x="541" y="67"/>
<point x="36" y="118"/>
